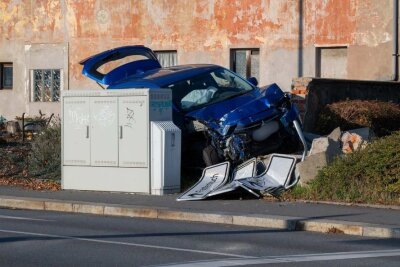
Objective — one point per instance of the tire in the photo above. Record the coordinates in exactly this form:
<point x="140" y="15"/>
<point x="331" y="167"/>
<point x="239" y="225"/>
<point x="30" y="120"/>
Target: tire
<point x="210" y="156"/>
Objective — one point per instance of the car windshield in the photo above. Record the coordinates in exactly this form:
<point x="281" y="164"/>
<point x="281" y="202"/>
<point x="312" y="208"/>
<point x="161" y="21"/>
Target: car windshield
<point x="207" y="88"/>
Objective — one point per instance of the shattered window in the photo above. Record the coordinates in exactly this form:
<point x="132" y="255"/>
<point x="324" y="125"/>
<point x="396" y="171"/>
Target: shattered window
<point x="167" y="58"/>
<point x="246" y="62"/>
<point x="46" y="85"/>
<point x="6" y="75"/>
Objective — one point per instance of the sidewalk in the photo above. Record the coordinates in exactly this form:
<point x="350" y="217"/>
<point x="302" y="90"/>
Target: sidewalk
<point x="291" y="216"/>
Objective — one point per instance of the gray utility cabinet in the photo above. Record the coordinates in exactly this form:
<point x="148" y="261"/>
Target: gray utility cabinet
<point x="106" y="137"/>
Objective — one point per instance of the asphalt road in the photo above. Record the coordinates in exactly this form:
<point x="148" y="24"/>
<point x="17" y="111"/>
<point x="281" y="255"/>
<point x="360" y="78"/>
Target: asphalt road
<point x="37" y="238"/>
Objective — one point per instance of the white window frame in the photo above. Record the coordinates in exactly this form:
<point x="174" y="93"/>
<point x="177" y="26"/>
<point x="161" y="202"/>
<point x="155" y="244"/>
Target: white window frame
<point x="249" y="52"/>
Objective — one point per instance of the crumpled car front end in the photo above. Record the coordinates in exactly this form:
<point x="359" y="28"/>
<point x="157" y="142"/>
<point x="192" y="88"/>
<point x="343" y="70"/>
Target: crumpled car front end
<point x="259" y="125"/>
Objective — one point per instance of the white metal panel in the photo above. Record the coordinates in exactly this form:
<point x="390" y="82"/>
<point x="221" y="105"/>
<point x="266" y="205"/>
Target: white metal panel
<point x="104" y="131"/>
<point x="76" y="123"/>
<point x="112" y="179"/>
<point x="166" y="157"/>
<point x="133" y="131"/>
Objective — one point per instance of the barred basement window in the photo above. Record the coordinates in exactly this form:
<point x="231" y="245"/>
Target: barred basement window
<point x="6" y="76"/>
<point x="46" y="85"/>
<point x="167" y="58"/>
<point x="245" y="62"/>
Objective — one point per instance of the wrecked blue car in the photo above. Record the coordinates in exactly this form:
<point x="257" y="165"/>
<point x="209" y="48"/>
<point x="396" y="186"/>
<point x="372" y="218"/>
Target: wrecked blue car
<point x="222" y="116"/>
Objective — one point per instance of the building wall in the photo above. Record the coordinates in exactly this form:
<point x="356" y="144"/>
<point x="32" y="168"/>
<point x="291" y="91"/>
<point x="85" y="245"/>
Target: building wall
<point x="287" y="32"/>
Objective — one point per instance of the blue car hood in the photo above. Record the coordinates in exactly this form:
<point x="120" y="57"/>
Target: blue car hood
<point x="256" y="105"/>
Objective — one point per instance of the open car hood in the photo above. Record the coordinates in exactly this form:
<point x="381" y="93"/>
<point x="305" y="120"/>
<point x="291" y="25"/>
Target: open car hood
<point x="93" y="63"/>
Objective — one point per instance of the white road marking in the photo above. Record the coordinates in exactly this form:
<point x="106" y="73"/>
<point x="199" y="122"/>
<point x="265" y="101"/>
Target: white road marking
<point x="293" y="258"/>
<point x="24" y="218"/>
<point x="125" y="243"/>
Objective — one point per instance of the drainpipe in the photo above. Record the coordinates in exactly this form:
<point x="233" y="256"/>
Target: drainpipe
<point x="395" y="40"/>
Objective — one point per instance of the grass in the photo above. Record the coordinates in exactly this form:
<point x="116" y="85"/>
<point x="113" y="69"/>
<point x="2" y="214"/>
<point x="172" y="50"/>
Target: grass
<point x="371" y="176"/>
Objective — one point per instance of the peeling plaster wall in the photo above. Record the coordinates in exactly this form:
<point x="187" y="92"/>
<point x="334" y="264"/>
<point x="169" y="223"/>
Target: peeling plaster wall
<point x="202" y="31"/>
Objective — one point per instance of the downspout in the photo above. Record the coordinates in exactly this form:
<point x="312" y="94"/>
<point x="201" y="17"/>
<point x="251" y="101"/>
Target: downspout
<point x="395" y="40"/>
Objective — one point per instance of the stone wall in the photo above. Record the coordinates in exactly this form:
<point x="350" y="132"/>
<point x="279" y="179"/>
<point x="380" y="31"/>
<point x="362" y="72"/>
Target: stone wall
<point x="320" y="92"/>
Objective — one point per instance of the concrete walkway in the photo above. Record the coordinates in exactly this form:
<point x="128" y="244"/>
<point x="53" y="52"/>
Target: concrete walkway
<point x="292" y="216"/>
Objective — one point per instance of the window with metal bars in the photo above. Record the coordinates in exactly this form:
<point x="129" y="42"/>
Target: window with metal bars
<point x="6" y="75"/>
<point x="46" y="85"/>
<point x="245" y="62"/>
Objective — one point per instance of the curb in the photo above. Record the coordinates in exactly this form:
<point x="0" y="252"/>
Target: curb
<point x="267" y="221"/>
<point x="375" y="206"/>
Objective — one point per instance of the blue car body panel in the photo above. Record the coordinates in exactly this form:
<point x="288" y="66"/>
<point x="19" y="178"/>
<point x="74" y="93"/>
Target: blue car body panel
<point x="91" y="64"/>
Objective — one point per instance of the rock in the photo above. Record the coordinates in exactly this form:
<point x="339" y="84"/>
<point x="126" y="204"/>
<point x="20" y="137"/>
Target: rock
<point x="323" y="151"/>
<point x="308" y="169"/>
<point x="12" y="127"/>
<point x="326" y="145"/>
<point x="335" y="134"/>
<point x="352" y="142"/>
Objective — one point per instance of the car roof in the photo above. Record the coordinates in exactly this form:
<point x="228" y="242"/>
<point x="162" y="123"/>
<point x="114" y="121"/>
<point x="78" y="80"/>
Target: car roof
<point x="158" y="78"/>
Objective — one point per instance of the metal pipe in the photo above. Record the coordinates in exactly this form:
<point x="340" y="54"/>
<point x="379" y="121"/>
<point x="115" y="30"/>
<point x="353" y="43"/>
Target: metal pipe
<point x="395" y="40"/>
<point x="303" y="140"/>
<point x="23" y="127"/>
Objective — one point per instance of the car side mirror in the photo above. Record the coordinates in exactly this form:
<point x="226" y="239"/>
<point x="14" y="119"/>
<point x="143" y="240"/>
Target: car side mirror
<point x="253" y="81"/>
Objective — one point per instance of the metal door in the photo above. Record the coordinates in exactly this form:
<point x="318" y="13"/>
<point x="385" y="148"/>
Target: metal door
<point x="133" y="131"/>
<point x="104" y="131"/>
<point x="76" y="123"/>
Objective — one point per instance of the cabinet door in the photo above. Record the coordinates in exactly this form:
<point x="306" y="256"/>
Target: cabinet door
<point x="104" y="131"/>
<point x="133" y="131"/>
<point x="76" y="143"/>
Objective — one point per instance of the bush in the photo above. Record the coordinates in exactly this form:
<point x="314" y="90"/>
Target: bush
<point x="382" y="117"/>
<point x="45" y="156"/>
<point x="371" y="175"/>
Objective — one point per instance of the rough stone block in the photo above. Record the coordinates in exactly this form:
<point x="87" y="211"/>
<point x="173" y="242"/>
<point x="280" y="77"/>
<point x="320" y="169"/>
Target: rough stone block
<point x="308" y="169"/>
<point x="335" y="134"/>
<point x="352" y="142"/>
<point x="326" y="145"/>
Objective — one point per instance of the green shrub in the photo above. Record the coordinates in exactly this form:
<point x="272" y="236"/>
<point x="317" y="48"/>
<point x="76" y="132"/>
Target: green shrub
<point x="382" y="117"/>
<point x="371" y="175"/>
<point x="45" y="156"/>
